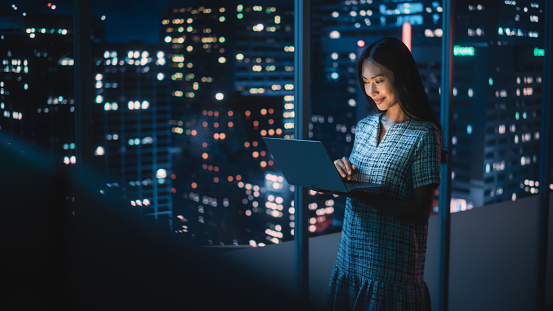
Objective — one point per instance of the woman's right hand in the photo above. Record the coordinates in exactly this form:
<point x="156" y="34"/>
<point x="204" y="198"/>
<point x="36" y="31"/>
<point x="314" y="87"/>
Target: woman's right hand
<point x="345" y="168"/>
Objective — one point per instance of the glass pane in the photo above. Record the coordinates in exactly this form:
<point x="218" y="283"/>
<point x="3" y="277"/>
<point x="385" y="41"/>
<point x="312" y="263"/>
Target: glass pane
<point x="232" y="83"/>
<point x="182" y="100"/>
<point x="497" y="102"/>
<point x="37" y="101"/>
<point x="497" y="86"/>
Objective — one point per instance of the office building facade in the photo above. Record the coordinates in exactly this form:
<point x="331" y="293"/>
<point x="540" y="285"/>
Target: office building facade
<point x="130" y="106"/>
<point x="131" y="132"/>
<point x="234" y="69"/>
<point x="36" y="83"/>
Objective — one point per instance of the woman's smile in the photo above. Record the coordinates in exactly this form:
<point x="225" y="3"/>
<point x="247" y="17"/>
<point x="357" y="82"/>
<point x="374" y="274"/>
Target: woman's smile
<point x="379" y="101"/>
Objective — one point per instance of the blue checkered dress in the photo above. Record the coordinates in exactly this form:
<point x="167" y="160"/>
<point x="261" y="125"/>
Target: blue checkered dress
<point x="380" y="262"/>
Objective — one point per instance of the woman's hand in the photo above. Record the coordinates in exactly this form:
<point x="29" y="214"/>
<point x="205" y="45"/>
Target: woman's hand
<point x="345" y="168"/>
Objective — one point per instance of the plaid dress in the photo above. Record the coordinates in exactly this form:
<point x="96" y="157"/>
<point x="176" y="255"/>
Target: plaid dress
<point x="380" y="262"/>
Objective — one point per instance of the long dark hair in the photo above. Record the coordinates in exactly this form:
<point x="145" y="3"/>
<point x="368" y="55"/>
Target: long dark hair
<point x="394" y="55"/>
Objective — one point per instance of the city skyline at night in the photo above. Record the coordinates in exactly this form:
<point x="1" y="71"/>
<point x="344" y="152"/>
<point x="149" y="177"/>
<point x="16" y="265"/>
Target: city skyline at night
<point x="180" y="121"/>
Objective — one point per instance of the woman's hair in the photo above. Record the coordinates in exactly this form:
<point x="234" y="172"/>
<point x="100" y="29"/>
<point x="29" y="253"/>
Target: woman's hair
<point x="394" y="55"/>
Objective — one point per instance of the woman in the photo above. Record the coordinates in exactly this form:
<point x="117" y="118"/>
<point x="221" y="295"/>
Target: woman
<point x="380" y="262"/>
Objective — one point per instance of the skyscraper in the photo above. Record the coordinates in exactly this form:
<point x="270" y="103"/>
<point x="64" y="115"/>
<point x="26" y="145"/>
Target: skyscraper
<point x="131" y="106"/>
<point x="132" y="138"/>
<point x="233" y="71"/>
<point x="498" y="78"/>
<point x="36" y="83"/>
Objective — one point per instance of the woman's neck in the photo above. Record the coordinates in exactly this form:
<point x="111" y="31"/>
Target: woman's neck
<point x="395" y="116"/>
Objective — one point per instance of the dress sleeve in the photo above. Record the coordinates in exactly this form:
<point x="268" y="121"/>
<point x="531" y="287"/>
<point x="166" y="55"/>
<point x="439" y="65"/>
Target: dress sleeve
<point x="426" y="164"/>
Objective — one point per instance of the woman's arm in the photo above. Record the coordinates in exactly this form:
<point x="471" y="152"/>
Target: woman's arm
<point x="416" y="210"/>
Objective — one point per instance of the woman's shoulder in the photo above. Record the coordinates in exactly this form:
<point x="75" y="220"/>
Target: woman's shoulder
<point x="426" y="131"/>
<point x="424" y="126"/>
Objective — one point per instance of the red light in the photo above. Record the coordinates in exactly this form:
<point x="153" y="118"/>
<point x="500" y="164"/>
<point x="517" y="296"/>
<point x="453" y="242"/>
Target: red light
<point x="406" y="35"/>
<point x="49" y="4"/>
<point x="360" y="43"/>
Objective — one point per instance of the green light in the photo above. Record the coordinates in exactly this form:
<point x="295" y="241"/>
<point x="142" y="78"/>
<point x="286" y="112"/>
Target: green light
<point x="539" y="52"/>
<point x="240" y="15"/>
<point x="463" y="50"/>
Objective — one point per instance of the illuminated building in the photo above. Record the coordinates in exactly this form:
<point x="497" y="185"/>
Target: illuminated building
<point x="130" y="105"/>
<point x="232" y="68"/>
<point x="131" y="131"/>
<point x="264" y="60"/>
<point x="497" y="108"/>
<point x="36" y="83"/>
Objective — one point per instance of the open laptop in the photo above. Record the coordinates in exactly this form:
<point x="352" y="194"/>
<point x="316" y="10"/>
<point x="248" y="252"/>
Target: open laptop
<point x="307" y="163"/>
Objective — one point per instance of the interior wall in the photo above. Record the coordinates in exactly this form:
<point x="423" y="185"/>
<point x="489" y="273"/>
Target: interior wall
<point x="494" y="255"/>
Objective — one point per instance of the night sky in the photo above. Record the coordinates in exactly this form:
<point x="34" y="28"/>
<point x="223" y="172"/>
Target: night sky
<point x="136" y="20"/>
<point x="126" y="20"/>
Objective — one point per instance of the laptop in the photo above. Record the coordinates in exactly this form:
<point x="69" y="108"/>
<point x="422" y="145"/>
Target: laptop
<point x="306" y="163"/>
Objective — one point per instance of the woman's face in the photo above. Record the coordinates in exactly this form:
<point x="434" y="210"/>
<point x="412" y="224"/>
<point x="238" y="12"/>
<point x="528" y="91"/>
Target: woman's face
<point x="379" y="85"/>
